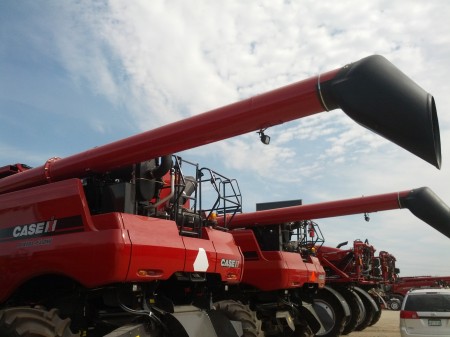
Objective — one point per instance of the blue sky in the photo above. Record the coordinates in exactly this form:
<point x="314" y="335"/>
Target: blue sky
<point x="74" y="75"/>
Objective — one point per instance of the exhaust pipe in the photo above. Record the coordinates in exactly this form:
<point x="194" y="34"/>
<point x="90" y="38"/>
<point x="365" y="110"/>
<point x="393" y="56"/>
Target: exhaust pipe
<point x="422" y="202"/>
<point x="377" y="95"/>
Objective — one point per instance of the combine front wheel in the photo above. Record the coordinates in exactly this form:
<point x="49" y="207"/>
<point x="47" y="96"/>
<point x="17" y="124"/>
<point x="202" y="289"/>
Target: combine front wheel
<point x="236" y="311"/>
<point x="33" y="322"/>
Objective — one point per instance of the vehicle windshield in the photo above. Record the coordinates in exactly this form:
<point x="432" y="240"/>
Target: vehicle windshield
<point x="428" y="302"/>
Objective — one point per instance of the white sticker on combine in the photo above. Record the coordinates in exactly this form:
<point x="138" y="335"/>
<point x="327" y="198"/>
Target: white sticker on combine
<point x="201" y="261"/>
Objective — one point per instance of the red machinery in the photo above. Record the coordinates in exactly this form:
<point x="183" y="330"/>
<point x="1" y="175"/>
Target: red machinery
<point x="396" y="291"/>
<point x="395" y="287"/>
<point x="355" y="273"/>
<point x="102" y="239"/>
<point x="389" y="271"/>
<point x="351" y="299"/>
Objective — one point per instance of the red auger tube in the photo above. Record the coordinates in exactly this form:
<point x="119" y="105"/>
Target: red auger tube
<point x="422" y="202"/>
<point x="371" y="91"/>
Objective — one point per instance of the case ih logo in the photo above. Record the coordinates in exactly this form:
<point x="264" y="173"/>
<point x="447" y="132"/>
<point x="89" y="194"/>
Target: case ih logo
<point x="35" y="228"/>
<point x="45" y="228"/>
<point x="229" y="263"/>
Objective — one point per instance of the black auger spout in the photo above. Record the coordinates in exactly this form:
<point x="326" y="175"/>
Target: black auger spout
<point x="377" y="95"/>
<point x="427" y="206"/>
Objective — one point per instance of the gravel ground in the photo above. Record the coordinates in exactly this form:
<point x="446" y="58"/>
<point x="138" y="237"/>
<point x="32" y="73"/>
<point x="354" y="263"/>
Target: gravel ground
<point x="387" y="326"/>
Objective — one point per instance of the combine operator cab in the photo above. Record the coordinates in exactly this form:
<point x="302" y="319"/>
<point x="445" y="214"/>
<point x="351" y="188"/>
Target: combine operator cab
<point x="303" y="237"/>
<point x="135" y="189"/>
<point x="306" y="237"/>
<point x="168" y="188"/>
<point x="154" y="188"/>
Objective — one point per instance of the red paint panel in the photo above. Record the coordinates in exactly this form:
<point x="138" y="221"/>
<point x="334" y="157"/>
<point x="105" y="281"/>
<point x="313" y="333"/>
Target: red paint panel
<point x="316" y="273"/>
<point x="272" y="270"/>
<point x="229" y="261"/>
<point x="91" y="258"/>
<point x="269" y="273"/>
<point x="156" y="247"/>
<point x="71" y="246"/>
<point x="58" y="200"/>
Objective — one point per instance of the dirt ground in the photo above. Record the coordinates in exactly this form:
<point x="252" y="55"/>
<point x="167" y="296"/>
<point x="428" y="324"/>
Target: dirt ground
<point x="387" y="326"/>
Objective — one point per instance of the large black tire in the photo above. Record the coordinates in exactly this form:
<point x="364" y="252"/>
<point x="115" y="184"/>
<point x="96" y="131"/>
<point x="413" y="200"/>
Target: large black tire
<point x="370" y="313"/>
<point x="330" y="312"/>
<point x="357" y="309"/>
<point x="33" y="322"/>
<point x="236" y="311"/>
<point x="377" y="315"/>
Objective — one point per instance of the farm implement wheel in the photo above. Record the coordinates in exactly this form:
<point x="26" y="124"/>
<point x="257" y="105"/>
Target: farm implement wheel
<point x="331" y="314"/>
<point x="356" y="308"/>
<point x="377" y="315"/>
<point x="236" y="311"/>
<point x="371" y="309"/>
<point x="33" y="322"/>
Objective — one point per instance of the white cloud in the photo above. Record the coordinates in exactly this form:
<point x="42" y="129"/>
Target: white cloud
<point x="160" y="61"/>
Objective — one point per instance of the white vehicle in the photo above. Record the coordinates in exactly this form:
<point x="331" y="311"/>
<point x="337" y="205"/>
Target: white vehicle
<point x="425" y="312"/>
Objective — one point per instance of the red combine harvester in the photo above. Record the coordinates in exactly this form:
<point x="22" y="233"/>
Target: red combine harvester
<point x="97" y="244"/>
<point x="270" y="240"/>
<point x="280" y="278"/>
<point x="396" y="291"/>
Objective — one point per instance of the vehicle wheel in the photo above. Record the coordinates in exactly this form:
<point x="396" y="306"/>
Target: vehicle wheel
<point x="370" y="313"/>
<point x="237" y="311"/>
<point x="357" y="309"/>
<point x="377" y="315"/>
<point x="33" y="322"/>
<point x="397" y="301"/>
<point x="331" y="314"/>
<point x="394" y="304"/>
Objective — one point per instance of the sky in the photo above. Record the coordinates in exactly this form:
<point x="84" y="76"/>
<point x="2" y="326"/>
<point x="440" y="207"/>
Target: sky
<point x="79" y="74"/>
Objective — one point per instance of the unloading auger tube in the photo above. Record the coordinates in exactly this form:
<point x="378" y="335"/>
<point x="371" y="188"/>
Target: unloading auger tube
<point x="371" y="91"/>
<point x="422" y="202"/>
